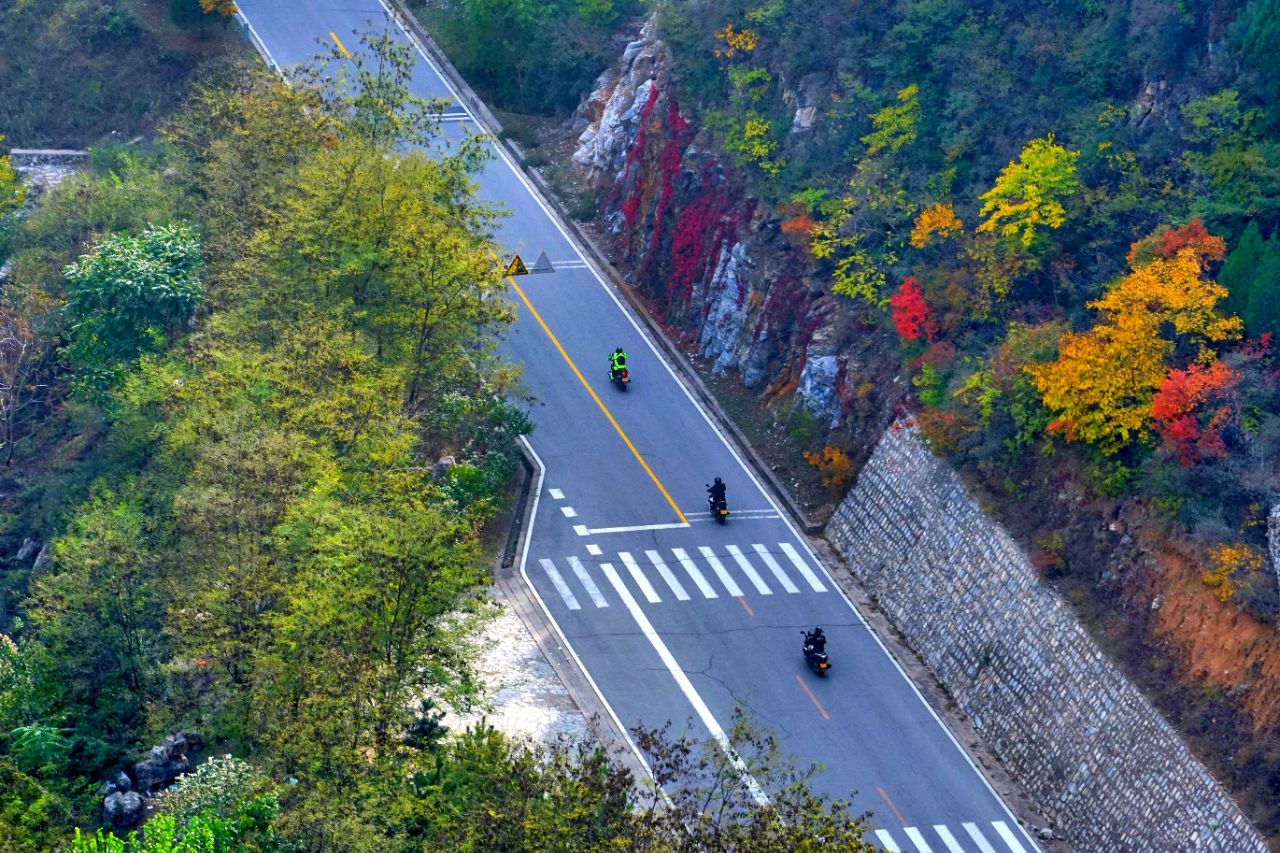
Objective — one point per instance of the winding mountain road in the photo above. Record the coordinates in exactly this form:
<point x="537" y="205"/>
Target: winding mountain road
<point x="672" y="616"/>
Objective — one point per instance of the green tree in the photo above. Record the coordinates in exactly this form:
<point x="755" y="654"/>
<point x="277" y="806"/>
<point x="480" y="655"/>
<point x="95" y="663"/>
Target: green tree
<point x="97" y="613"/>
<point x="1240" y="268"/>
<point x="128" y="296"/>
<point x="185" y="13"/>
<point x="33" y="818"/>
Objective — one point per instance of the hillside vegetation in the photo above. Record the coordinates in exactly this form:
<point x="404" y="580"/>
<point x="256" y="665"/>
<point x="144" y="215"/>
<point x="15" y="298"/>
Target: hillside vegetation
<point x="228" y="369"/>
<point x="76" y="73"/>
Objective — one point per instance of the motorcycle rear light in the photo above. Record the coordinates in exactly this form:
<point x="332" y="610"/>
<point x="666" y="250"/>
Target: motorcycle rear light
<point x="624" y="374"/>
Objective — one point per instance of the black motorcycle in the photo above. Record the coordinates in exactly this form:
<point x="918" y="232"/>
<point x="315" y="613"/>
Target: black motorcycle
<point x="817" y="660"/>
<point x="719" y="508"/>
<point x="620" y="377"/>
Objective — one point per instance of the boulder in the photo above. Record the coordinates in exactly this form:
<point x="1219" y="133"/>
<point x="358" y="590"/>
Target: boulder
<point x="167" y="761"/>
<point x="28" y="550"/>
<point x="122" y="810"/>
<point x="42" y="560"/>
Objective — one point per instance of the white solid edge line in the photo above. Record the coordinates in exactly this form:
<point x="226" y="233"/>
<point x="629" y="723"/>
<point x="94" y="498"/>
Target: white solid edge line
<point x="887" y="840"/>
<point x="917" y="839"/>
<point x="259" y="44"/>
<point x="520" y="176"/>
<point x="564" y="641"/>
<point x="685" y="685"/>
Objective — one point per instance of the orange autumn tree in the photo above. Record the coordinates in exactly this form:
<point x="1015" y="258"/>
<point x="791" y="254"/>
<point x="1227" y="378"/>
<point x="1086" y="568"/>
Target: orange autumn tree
<point x="1102" y="385"/>
<point x="227" y="8"/>
<point x="939" y="220"/>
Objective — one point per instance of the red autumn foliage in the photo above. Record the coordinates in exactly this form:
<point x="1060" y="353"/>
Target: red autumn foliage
<point x="1193" y="409"/>
<point x="669" y="166"/>
<point x="1168" y="242"/>
<point x="701" y="229"/>
<point x="911" y="312"/>
<point x="631" y="205"/>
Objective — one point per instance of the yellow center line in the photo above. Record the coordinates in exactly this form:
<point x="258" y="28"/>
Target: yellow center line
<point x="341" y="47"/>
<point x="594" y="396"/>
<point x="817" y="704"/>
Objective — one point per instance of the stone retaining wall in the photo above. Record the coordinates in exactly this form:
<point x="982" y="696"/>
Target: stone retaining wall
<point x="1091" y="753"/>
<point x="43" y="168"/>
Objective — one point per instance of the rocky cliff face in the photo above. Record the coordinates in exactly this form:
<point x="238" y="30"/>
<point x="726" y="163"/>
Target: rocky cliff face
<point x="713" y="263"/>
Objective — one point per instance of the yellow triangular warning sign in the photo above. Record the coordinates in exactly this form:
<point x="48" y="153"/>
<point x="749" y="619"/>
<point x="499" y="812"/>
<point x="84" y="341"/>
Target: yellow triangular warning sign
<point x="517" y="267"/>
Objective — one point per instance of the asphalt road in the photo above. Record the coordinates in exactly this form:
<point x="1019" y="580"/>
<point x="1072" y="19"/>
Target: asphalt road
<point x="673" y="616"/>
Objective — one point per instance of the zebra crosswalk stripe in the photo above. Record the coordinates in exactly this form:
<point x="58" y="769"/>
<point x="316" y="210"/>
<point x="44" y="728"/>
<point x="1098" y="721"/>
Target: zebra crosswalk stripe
<point x="748" y="569"/>
<point x="887" y="840"/>
<point x="597" y="597"/>
<point x="948" y="839"/>
<point x="717" y="566"/>
<point x="917" y="839"/>
<point x="667" y="575"/>
<point x="561" y="587"/>
<point x="978" y="838"/>
<point x="646" y="588"/>
<point x="776" y="569"/>
<point x="1008" y="836"/>
<point x="802" y="567"/>
<point x="694" y="574"/>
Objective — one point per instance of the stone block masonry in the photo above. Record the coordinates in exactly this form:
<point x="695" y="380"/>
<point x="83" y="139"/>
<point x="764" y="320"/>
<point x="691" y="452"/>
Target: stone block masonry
<point x="1091" y="753"/>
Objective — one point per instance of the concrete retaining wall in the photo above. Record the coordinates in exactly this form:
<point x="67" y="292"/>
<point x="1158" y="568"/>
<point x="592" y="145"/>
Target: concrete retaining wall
<point x="1088" y="749"/>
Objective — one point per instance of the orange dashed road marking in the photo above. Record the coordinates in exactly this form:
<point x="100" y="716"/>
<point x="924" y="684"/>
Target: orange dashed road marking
<point x="812" y="698"/>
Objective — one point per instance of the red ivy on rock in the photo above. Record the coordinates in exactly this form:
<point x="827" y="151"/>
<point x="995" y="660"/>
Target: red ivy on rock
<point x="631" y="205"/>
<point x="669" y="170"/>
<point x="911" y="312"/>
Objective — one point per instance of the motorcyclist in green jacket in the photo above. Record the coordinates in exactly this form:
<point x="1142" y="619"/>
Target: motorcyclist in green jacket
<point x="617" y="362"/>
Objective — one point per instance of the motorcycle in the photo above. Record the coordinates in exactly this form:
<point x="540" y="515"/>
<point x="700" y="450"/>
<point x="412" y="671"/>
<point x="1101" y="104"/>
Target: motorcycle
<point x="620" y="377"/>
<point x="719" y="508"/>
<point x="817" y="660"/>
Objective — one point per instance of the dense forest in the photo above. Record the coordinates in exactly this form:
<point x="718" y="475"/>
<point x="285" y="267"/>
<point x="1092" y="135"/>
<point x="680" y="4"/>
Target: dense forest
<point x="231" y="357"/>
<point x="1058" y="224"/>
<point x="1066" y="212"/>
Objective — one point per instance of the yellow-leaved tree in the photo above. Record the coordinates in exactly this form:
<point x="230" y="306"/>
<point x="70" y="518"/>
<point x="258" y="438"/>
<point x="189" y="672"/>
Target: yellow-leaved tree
<point x="1101" y="387"/>
<point x="1028" y="195"/>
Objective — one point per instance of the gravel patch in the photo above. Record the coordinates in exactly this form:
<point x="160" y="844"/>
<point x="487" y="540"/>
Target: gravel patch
<point x="523" y="697"/>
